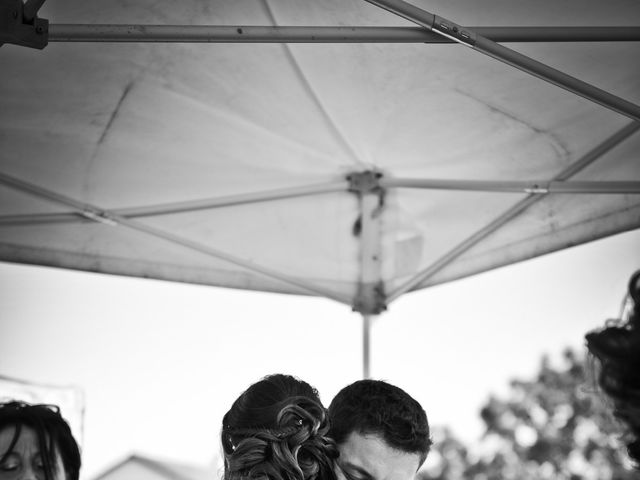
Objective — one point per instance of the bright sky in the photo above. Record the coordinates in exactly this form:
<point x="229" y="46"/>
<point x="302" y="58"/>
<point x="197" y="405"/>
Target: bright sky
<point x="160" y="363"/>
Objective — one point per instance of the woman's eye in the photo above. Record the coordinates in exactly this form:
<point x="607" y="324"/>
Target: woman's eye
<point x="38" y="463"/>
<point x="9" y="466"/>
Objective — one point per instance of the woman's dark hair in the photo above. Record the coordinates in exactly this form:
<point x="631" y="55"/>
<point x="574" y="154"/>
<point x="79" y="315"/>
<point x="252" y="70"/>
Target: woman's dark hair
<point x="52" y="431"/>
<point x="276" y="430"/>
<point x="616" y="350"/>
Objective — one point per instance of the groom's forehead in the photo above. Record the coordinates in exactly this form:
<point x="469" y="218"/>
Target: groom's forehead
<point x="370" y="457"/>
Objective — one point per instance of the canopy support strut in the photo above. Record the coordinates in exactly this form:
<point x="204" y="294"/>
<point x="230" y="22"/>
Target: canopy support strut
<point x="482" y="44"/>
<point x="187" y="206"/>
<point x="501" y="186"/>
<point x="317" y="34"/>
<point x="514" y="211"/>
<point x="507" y="186"/>
<point x="110" y="218"/>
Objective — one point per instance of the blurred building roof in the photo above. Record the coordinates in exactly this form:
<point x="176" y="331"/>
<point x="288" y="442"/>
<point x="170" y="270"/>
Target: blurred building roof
<point x="144" y="468"/>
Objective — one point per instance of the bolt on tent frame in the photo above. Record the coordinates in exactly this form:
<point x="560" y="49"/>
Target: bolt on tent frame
<point x="369" y="187"/>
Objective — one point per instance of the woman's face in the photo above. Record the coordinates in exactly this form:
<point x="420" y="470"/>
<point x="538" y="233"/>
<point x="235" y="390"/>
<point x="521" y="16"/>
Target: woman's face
<point x="25" y="461"/>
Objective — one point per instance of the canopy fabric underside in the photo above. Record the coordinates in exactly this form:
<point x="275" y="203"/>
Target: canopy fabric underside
<point x="226" y="164"/>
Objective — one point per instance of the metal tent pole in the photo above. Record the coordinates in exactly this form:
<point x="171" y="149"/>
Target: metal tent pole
<point x="511" y="186"/>
<point x="470" y="38"/>
<point x="187" y="206"/>
<point x="499" y="186"/>
<point x="236" y="199"/>
<point x="369" y="299"/>
<point x="313" y="34"/>
<point x="366" y="346"/>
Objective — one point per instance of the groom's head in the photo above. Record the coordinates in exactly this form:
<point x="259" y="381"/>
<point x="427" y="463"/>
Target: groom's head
<point x="381" y="431"/>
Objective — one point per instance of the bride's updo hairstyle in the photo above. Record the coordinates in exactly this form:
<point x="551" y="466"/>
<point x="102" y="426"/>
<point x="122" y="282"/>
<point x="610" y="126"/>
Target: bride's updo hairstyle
<point x="276" y="430"/>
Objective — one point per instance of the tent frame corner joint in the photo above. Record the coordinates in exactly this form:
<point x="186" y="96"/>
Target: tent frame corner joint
<point x="20" y="25"/>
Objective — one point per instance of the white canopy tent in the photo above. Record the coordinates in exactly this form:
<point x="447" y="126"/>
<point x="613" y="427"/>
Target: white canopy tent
<point x="355" y="150"/>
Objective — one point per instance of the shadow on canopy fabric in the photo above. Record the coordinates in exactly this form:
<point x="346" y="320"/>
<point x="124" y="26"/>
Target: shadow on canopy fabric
<point x="353" y="163"/>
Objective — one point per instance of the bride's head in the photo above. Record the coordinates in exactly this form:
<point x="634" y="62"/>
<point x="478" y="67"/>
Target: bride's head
<point x="276" y="430"/>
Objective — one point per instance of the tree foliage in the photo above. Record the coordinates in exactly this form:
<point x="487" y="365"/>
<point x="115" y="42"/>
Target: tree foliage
<point x="554" y="426"/>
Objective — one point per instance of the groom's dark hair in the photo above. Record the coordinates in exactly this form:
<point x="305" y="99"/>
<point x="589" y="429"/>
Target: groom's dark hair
<point x="377" y="407"/>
